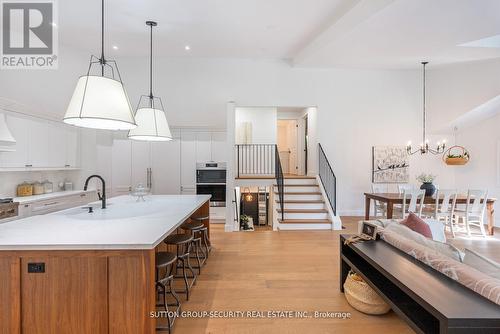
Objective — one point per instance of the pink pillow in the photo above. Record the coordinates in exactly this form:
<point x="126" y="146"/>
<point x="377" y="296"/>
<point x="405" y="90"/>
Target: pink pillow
<point x="415" y="223"/>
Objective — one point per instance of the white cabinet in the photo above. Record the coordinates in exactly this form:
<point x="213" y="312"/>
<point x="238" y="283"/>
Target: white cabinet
<point x="219" y="146"/>
<point x="141" y="162"/>
<point x="188" y="162"/>
<point x="166" y="167"/>
<point x="56" y="202"/>
<point x="57" y="140"/>
<point x="41" y="144"/>
<point x="121" y="169"/>
<point x="203" y="146"/>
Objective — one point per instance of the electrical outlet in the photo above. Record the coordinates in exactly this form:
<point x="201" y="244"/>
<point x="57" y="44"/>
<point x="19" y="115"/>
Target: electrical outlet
<point x="36" y="267"/>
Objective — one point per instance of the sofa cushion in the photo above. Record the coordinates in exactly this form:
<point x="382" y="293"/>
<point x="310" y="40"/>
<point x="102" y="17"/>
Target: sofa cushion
<point x="415" y="223"/>
<point x="481" y="263"/>
<point x="439" y="247"/>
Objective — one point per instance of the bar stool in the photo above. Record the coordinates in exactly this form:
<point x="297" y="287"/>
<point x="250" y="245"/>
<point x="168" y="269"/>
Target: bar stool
<point x="166" y="261"/>
<point x="195" y="229"/>
<point x="204" y="232"/>
<point x="182" y="243"/>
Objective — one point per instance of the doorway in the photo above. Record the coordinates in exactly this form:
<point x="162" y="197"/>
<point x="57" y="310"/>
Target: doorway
<point x="291" y="139"/>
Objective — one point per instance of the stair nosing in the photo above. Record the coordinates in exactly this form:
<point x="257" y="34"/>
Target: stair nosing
<point x="304" y="201"/>
<point x="300" y="193"/>
<point x="304" y="221"/>
<point x="303" y="211"/>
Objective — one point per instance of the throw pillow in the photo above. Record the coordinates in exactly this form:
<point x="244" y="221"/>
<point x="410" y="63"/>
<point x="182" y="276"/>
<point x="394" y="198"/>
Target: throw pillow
<point x="415" y="223"/>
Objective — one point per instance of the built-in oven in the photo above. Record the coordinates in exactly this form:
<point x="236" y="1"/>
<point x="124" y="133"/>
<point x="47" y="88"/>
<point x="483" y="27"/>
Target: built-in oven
<point x="211" y="180"/>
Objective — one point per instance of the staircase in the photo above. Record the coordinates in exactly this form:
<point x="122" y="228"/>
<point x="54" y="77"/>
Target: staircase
<point x="304" y="206"/>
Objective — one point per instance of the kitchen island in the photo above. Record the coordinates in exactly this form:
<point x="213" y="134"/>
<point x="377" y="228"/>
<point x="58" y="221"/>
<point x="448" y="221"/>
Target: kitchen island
<point x="78" y="272"/>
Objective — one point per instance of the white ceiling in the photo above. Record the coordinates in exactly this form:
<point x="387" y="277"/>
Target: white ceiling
<point x="311" y="33"/>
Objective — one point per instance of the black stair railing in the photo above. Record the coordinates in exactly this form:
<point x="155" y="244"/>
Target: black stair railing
<point x="261" y="160"/>
<point x="328" y="179"/>
<point x="280" y="181"/>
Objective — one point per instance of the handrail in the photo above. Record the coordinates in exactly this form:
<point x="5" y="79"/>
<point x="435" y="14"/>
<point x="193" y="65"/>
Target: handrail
<point x="280" y="181"/>
<point x="328" y="178"/>
<point x="261" y="160"/>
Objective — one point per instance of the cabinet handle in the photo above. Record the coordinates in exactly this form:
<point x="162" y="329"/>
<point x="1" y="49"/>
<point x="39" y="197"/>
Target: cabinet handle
<point x="67" y="166"/>
<point x="28" y="165"/>
<point x="53" y="203"/>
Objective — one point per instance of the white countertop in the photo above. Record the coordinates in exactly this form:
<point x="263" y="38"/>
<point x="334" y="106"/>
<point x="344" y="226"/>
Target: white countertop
<point x="125" y="224"/>
<point x="57" y="194"/>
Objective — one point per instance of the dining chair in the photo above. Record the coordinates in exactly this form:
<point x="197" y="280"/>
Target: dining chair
<point x="380" y="209"/>
<point x="405" y="187"/>
<point x="475" y="208"/>
<point x="416" y="197"/>
<point x="444" y="211"/>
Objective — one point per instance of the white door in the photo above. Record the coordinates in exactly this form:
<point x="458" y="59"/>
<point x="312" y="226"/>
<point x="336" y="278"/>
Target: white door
<point x="121" y="169"/>
<point x="292" y="139"/>
<point x="166" y="167"/>
<point x="219" y="147"/>
<point x="38" y="143"/>
<point x="141" y="162"/>
<point x="188" y="162"/>
<point x="19" y="129"/>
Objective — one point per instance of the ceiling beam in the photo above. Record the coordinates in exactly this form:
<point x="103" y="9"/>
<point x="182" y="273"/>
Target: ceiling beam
<point x="344" y="20"/>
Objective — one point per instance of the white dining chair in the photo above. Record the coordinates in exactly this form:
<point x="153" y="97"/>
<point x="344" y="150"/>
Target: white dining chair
<point x="444" y="211"/>
<point x="416" y="197"/>
<point x="380" y="209"/>
<point x="475" y="208"/>
<point x="405" y="187"/>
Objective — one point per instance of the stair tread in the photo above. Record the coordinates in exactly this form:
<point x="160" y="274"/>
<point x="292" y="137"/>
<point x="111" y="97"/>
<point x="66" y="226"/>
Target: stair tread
<point x="304" y="211"/>
<point x="304" y="221"/>
<point x="303" y="201"/>
<point x="298" y="185"/>
<point x="300" y="193"/>
<point x="292" y="177"/>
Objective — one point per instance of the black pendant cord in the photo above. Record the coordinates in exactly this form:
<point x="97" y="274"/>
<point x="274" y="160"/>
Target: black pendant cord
<point x="103" y="61"/>
<point x="424" y="143"/>
<point x="151" y="64"/>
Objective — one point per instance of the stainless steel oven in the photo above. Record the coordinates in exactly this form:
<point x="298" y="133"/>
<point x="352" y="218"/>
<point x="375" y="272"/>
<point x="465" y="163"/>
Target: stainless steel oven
<point x="211" y="180"/>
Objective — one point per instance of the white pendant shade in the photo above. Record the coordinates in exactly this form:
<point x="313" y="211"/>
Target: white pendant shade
<point x="152" y="125"/>
<point x="99" y="102"/>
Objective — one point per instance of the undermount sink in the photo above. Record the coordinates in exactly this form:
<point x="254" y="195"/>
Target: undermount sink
<point x="120" y="211"/>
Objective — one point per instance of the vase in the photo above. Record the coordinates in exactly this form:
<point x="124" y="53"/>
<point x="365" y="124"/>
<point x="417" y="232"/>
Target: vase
<point x="429" y="188"/>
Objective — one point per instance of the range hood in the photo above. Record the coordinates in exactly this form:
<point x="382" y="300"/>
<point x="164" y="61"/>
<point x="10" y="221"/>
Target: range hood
<point x="7" y="141"/>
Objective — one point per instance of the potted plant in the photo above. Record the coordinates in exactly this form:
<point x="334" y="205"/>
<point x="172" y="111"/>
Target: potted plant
<point x="244" y="219"/>
<point x="456" y="156"/>
<point x="427" y="180"/>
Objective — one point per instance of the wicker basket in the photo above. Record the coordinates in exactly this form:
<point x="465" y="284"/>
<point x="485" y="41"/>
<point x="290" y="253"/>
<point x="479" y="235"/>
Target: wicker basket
<point x="456" y="158"/>
<point x="362" y="297"/>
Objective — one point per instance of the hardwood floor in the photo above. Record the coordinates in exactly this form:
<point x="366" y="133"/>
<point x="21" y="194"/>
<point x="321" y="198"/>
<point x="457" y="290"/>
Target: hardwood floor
<point x="286" y="270"/>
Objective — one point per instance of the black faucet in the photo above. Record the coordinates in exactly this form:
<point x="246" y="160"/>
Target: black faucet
<point x="103" y="197"/>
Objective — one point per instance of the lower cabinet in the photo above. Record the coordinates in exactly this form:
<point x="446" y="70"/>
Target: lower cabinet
<point x="57" y="203"/>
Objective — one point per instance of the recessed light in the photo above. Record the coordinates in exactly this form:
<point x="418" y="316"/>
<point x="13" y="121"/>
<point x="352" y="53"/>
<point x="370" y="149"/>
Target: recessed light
<point x="115" y="47"/>
<point x="187" y="48"/>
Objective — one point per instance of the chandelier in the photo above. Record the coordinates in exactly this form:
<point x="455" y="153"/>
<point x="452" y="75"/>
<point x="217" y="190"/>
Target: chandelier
<point x="424" y="147"/>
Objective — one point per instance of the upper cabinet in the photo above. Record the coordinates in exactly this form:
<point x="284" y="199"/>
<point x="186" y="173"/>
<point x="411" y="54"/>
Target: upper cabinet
<point x="218" y="146"/>
<point x="41" y="144"/>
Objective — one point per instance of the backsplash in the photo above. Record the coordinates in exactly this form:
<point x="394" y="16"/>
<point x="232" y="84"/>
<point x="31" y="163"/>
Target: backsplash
<point x="10" y="180"/>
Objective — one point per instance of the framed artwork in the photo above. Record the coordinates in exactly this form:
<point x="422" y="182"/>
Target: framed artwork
<point x="390" y="164"/>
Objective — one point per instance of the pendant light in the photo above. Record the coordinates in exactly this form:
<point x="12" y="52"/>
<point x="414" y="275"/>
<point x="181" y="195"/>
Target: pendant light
<point x="99" y="100"/>
<point x="150" y="116"/>
<point x="424" y="145"/>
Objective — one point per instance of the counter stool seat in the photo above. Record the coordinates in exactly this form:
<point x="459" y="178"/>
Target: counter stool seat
<point x="190" y="226"/>
<point x="182" y="243"/>
<point x="165" y="261"/>
<point x="204" y="232"/>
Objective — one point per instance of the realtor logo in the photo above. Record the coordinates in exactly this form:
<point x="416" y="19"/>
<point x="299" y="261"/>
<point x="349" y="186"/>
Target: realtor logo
<point x="29" y="35"/>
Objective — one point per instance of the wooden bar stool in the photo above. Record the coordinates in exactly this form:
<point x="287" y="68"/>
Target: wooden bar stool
<point x="182" y="243"/>
<point x="195" y="229"/>
<point x="166" y="261"/>
<point x="204" y="232"/>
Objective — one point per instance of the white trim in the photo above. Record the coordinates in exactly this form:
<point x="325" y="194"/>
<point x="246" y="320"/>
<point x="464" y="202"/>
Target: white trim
<point x="336" y="222"/>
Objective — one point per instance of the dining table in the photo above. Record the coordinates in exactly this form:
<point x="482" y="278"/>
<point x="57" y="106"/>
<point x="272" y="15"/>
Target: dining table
<point x="391" y="199"/>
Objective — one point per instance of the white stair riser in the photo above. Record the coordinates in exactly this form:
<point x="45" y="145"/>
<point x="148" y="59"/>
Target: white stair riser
<point x="301" y="197"/>
<point x="293" y="227"/>
<point x="300" y="181"/>
<point x="304" y="206"/>
<point x="303" y="215"/>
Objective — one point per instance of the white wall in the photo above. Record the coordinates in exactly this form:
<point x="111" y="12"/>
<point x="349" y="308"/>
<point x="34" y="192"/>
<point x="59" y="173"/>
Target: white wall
<point x="356" y="109"/>
<point x="263" y="124"/>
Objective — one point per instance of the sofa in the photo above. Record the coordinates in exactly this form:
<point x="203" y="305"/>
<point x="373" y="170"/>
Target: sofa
<point x="467" y="267"/>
